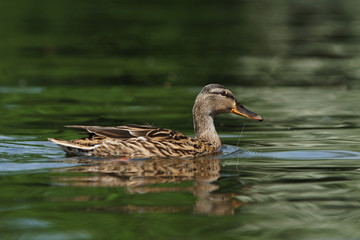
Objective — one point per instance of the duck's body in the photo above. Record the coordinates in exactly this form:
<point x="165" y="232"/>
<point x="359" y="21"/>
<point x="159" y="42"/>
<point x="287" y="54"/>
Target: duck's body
<point x="142" y="141"/>
<point x="134" y="141"/>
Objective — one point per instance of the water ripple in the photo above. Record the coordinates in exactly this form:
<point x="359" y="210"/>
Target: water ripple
<point x="21" y="90"/>
<point x="236" y="152"/>
<point x="17" y="167"/>
<point x="313" y="155"/>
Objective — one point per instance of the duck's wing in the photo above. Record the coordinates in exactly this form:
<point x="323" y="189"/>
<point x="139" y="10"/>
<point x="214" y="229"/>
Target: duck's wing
<point x="125" y="132"/>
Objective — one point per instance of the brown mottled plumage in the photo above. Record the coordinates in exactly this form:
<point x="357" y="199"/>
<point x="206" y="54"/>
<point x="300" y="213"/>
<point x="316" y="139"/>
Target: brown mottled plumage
<point x="138" y="141"/>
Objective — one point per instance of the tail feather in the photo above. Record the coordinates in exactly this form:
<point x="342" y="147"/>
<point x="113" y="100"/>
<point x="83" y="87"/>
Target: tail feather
<point x="73" y="148"/>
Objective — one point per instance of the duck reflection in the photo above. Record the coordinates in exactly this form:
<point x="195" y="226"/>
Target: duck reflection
<point x="148" y="176"/>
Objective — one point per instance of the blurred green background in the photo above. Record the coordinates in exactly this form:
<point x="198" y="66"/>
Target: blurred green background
<point x="179" y="42"/>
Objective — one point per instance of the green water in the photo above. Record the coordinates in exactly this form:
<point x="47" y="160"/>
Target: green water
<point x="293" y="176"/>
<point x="296" y="172"/>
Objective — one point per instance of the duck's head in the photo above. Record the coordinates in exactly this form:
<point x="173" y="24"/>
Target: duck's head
<point x="215" y="98"/>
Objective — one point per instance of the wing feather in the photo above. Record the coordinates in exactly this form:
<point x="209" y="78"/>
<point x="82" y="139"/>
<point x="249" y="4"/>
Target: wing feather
<point x="132" y="131"/>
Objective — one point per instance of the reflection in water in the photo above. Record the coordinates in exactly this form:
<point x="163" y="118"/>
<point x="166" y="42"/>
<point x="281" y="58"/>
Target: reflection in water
<point x="137" y="176"/>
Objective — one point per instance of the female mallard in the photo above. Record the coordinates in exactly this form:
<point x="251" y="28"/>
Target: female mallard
<point x="139" y="141"/>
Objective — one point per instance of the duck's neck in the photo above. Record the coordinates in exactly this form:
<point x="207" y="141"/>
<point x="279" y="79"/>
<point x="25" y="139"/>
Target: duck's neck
<point x="204" y="127"/>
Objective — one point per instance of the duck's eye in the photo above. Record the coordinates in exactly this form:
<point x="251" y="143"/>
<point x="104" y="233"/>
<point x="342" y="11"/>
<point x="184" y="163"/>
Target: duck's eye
<point x="223" y="93"/>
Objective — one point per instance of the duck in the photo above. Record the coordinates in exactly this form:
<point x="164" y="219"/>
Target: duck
<point x="146" y="141"/>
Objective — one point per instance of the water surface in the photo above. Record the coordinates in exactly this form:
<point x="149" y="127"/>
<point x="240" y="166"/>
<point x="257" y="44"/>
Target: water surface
<point x="296" y="172"/>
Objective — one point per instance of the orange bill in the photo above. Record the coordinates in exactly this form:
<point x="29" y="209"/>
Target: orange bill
<point x="241" y="110"/>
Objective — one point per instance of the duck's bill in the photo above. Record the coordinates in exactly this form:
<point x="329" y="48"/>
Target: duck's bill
<point x="241" y="110"/>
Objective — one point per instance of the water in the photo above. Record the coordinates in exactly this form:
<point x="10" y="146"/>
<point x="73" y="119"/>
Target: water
<point x="293" y="176"/>
<point x="294" y="173"/>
